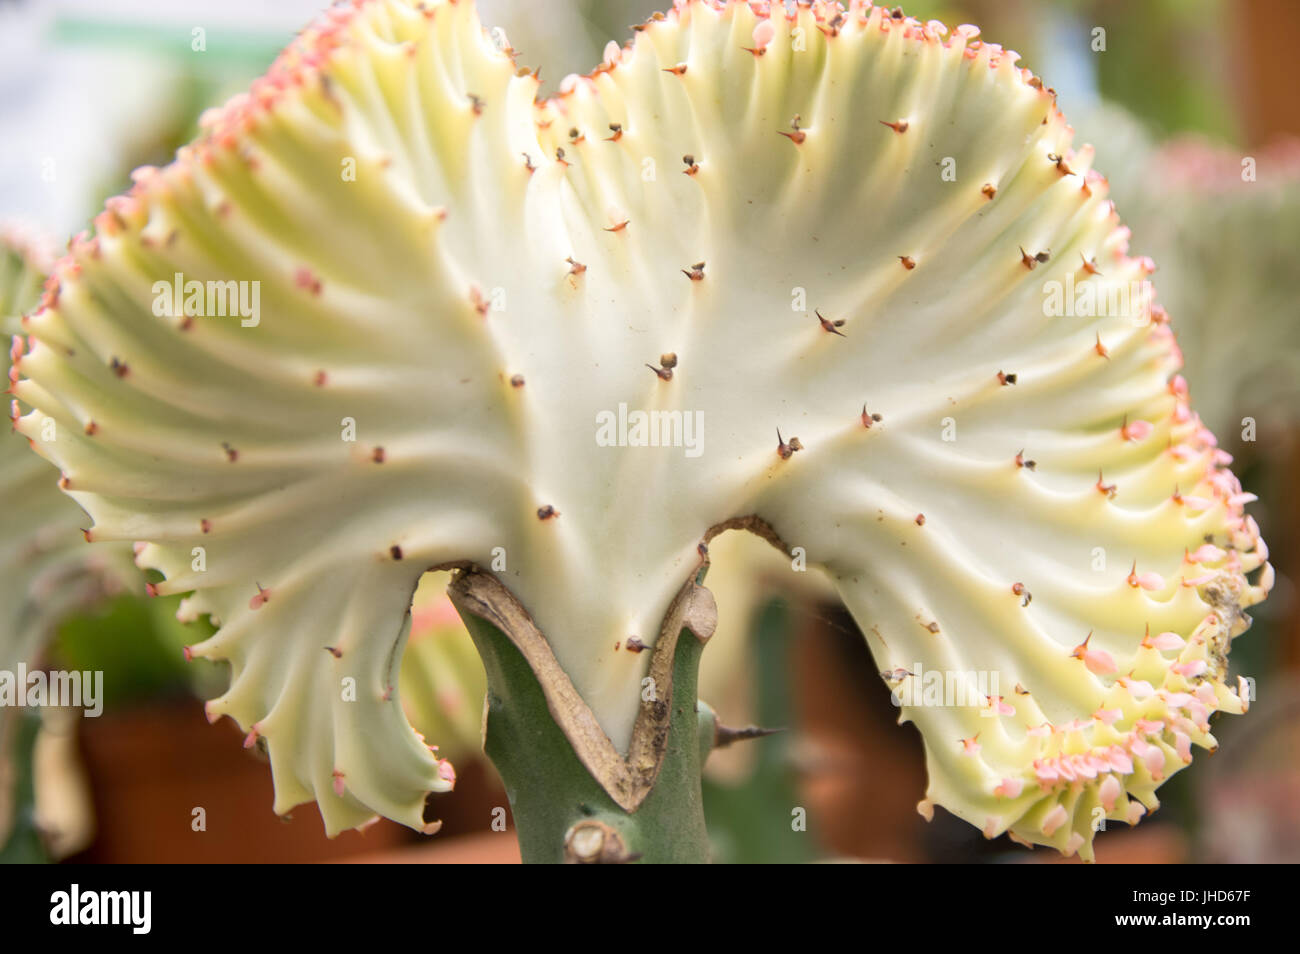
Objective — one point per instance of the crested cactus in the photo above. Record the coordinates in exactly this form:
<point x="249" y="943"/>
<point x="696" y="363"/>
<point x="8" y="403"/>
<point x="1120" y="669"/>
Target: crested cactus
<point x="785" y="271"/>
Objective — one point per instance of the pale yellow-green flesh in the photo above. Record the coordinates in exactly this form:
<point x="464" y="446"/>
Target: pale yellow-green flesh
<point x="377" y="281"/>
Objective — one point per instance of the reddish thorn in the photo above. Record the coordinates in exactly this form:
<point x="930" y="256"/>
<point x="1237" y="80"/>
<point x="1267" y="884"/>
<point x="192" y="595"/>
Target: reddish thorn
<point x="261" y="599"/>
<point x="831" y="326"/>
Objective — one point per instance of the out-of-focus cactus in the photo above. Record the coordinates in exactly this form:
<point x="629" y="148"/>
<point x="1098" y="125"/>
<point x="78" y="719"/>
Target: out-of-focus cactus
<point x="1221" y="223"/>
<point x="46" y="571"/>
<point x="1230" y="278"/>
<point x="464" y="318"/>
<point x="441" y="680"/>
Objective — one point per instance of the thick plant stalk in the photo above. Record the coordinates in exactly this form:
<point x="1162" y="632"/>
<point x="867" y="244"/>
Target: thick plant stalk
<point x="535" y="737"/>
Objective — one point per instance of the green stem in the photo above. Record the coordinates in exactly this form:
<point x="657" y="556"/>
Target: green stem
<point x="560" y="811"/>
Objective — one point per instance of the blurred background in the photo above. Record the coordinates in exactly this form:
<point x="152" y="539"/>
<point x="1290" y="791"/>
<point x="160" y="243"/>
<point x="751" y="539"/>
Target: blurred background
<point x="1192" y="106"/>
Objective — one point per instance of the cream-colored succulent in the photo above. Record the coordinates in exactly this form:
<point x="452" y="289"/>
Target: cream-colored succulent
<point x="789" y="271"/>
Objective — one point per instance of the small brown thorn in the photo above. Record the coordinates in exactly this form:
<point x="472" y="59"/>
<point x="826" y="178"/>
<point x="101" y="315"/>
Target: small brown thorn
<point x="724" y="736"/>
<point x="665" y="374"/>
<point x="517" y="381"/>
<point x="618" y="228"/>
<point x="547" y="512"/>
<point x="1004" y="379"/>
<point x="395" y="552"/>
<point x="377" y="455"/>
<point x="898" y="126"/>
<point x="696" y="272"/>
<point x="920" y="520"/>
<point x="909" y="263"/>
<point x="678" y="70"/>
<point x="989" y="190"/>
<point x="635" y="645"/>
<point x="1062" y="166"/>
<point x="1089" y="265"/>
<point x="798" y="135"/>
<point x="786" y="449"/>
<point x="617" y="130"/>
<point x="334" y="651"/>
<point x="1108" y="489"/>
<point x="692" y="166"/>
<point x="575" y="268"/>
<point x="831" y="326"/>
<point x="476" y="103"/>
<point x="232" y="454"/>
<point x="1101" y="348"/>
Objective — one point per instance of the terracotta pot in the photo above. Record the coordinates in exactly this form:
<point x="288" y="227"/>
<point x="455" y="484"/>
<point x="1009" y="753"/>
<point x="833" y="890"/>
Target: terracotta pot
<point x="151" y="766"/>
